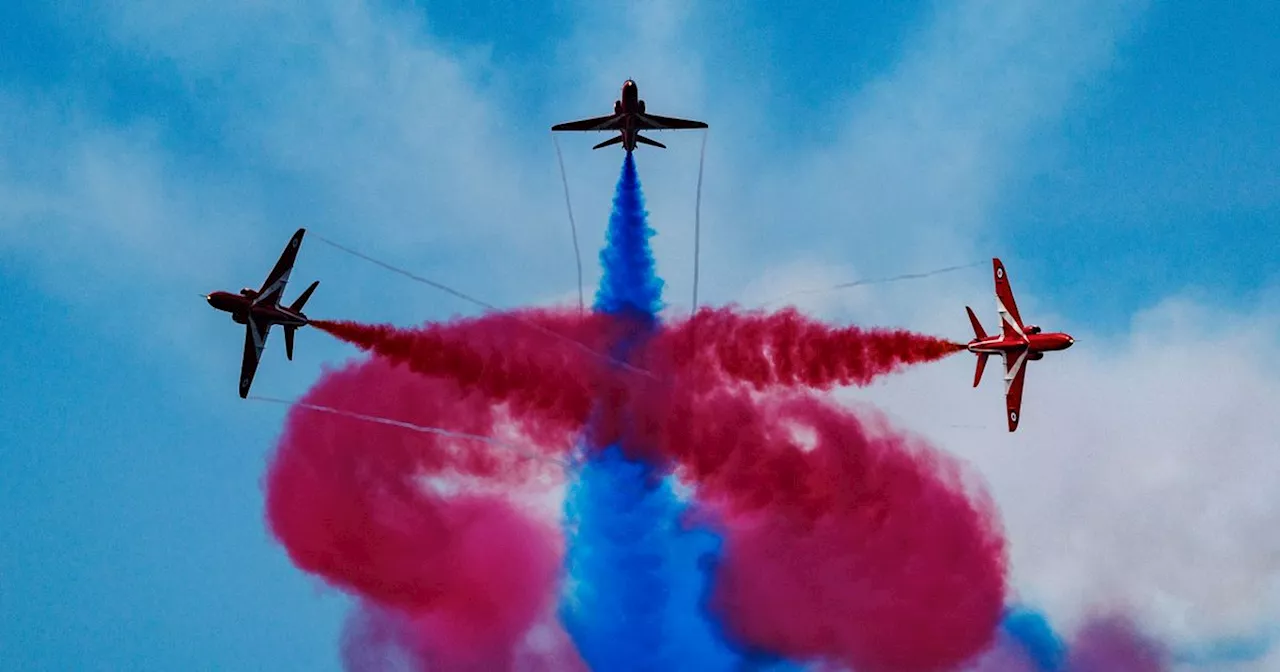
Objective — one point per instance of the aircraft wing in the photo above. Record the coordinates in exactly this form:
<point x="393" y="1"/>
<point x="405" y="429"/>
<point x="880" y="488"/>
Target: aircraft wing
<point x="1015" y="373"/>
<point x="255" y="339"/>
<point x="655" y="122"/>
<point x="273" y="289"/>
<point x="1010" y="320"/>
<point x="612" y="122"/>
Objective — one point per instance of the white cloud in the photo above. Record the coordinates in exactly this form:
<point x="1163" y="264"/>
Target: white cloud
<point x="1142" y="474"/>
<point x="914" y="175"/>
<point x="374" y="131"/>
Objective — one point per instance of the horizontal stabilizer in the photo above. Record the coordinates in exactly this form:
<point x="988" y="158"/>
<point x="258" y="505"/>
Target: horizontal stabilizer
<point x="611" y="141"/>
<point x="288" y="341"/>
<point x="982" y="364"/>
<point x="646" y="141"/>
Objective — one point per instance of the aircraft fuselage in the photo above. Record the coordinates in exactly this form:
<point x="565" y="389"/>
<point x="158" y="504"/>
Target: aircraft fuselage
<point x="629" y="105"/>
<point x="241" y="306"/>
<point x="1037" y="344"/>
<point x="631" y="97"/>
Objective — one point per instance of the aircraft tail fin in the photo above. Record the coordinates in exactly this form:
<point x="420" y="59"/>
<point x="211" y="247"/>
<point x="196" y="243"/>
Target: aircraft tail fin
<point x="646" y="141"/>
<point x="982" y="364"/>
<point x="290" y="329"/>
<point x="611" y="141"/>
<point x="301" y="301"/>
<point x="977" y="326"/>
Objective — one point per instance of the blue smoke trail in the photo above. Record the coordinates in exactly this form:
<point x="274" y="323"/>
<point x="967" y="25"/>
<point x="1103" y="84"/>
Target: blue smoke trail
<point x="1031" y="630"/>
<point x="636" y="575"/>
<point x="630" y="286"/>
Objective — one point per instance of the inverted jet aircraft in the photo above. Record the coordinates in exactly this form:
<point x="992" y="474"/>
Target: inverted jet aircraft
<point x="1016" y="343"/>
<point x="259" y="310"/>
<point x="629" y="118"/>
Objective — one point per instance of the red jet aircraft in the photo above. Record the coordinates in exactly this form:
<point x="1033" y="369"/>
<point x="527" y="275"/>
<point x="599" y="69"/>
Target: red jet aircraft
<point x="630" y="118"/>
<point x="1016" y="344"/>
<point x="259" y="310"/>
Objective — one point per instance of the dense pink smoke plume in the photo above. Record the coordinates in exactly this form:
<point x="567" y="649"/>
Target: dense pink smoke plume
<point x="844" y="540"/>
<point x="469" y="574"/>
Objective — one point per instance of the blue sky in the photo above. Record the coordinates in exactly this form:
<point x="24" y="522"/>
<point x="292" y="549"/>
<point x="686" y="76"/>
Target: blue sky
<point x="1121" y="157"/>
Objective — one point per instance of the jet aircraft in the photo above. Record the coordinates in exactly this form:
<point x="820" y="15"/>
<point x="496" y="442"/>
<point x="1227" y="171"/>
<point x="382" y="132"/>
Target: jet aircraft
<point x="629" y="118"/>
<point x="259" y="310"/>
<point x="1016" y="343"/>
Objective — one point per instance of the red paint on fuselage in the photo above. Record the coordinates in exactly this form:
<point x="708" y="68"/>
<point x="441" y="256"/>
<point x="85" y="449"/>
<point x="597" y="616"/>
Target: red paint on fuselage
<point x="1037" y="344"/>
<point x="631" y="97"/>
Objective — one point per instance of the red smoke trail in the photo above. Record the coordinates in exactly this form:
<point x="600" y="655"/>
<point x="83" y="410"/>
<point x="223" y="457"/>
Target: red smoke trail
<point x="788" y="349"/>
<point x="348" y="500"/>
<point x="502" y="358"/>
<point x="540" y="377"/>
<point x="844" y="540"/>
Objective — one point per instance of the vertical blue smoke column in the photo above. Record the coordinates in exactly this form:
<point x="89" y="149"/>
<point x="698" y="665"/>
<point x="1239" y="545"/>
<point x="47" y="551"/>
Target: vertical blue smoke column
<point x="635" y="576"/>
